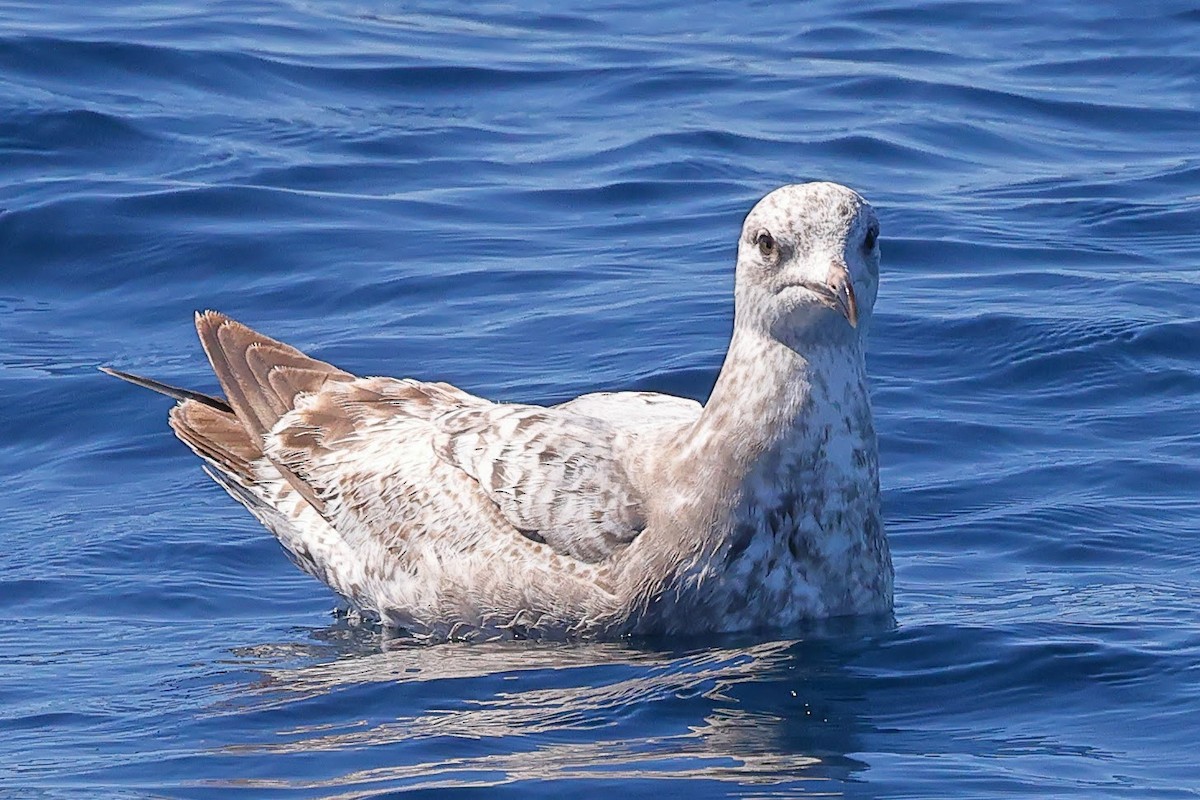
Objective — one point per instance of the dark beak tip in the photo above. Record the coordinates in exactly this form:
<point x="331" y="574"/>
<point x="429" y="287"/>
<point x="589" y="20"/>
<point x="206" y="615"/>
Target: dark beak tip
<point x="850" y="306"/>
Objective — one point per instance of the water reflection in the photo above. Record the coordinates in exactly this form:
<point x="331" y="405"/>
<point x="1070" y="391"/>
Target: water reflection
<point x="767" y="716"/>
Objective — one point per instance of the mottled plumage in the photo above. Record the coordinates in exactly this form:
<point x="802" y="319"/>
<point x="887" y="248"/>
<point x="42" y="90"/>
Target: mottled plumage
<point x="631" y="512"/>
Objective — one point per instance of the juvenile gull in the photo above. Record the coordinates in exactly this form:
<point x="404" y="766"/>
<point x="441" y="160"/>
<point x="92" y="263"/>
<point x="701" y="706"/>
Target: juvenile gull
<point x="450" y="516"/>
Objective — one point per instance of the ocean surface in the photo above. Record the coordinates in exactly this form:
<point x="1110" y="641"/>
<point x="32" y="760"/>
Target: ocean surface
<point x="541" y="199"/>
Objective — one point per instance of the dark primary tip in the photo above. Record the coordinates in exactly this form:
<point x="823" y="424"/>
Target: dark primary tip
<point x="167" y="389"/>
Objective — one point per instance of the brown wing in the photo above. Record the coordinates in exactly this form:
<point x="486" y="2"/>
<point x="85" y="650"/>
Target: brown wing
<point x="261" y="378"/>
<point x="346" y="473"/>
<point x="549" y="474"/>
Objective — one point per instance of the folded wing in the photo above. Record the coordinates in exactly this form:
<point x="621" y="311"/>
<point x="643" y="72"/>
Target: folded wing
<point x="554" y="475"/>
<point x="381" y="457"/>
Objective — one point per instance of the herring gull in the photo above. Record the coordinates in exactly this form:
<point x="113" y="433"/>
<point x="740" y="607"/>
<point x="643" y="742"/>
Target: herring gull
<point x="450" y="516"/>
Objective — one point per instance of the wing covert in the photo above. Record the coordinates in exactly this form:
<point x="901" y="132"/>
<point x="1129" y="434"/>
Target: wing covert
<point x="371" y="447"/>
<point x="554" y="475"/>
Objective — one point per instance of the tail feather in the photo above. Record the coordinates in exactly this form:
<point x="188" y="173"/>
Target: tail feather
<point x="217" y="437"/>
<point x="261" y="376"/>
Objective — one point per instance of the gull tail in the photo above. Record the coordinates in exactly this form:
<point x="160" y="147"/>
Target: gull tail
<point x="207" y="425"/>
<point x="262" y="379"/>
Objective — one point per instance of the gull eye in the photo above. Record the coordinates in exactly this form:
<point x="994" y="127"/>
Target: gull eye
<point x="766" y="243"/>
<point x="872" y="238"/>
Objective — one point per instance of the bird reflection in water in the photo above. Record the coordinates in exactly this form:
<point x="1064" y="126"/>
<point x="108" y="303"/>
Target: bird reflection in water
<point x="457" y="715"/>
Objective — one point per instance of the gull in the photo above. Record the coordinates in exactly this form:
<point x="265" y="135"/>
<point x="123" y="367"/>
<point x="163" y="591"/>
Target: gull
<point x="448" y="516"/>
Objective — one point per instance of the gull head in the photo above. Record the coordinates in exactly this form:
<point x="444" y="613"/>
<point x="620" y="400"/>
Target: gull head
<point x="808" y="265"/>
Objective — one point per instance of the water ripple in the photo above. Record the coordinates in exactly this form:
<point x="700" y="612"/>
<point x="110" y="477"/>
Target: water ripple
<point x="542" y="201"/>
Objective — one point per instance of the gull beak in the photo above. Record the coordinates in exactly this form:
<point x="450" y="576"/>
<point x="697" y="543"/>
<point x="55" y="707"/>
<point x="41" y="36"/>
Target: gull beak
<point x="843" y="291"/>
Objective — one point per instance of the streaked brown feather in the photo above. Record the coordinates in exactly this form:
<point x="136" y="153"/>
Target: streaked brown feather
<point x="551" y="474"/>
<point x="243" y="361"/>
<point x="554" y="475"/>
<point x="216" y="436"/>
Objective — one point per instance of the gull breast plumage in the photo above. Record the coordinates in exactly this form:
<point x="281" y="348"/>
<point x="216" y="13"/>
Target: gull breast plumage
<point x="450" y="516"/>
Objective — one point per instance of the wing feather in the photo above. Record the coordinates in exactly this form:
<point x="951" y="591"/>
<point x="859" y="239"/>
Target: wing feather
<point x="361" y="451"/>
<point x="360" y="479"/>
<point x="378" y="450"/>
<point x="552" y="474"/>
<point x="243" y="359"/>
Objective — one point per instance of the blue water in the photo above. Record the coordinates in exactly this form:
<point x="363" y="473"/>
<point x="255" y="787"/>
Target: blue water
<point x="538" y="201"/>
